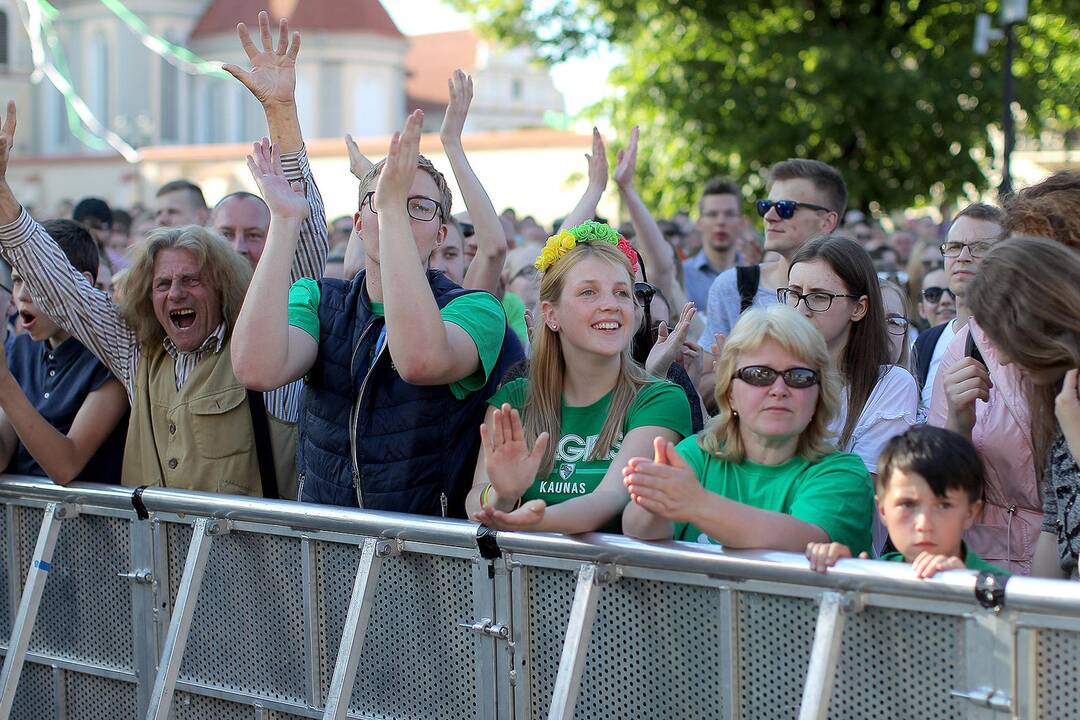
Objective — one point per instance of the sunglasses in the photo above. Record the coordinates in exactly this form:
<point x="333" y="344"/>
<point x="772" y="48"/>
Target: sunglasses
<point x="785" y="208"/>
<point x="763" y="376"/>
<point x="933" y="294"/>
<point x="643" y="292"/>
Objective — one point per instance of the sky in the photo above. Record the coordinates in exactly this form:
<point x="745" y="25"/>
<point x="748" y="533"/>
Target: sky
<point x="578" y="79"/>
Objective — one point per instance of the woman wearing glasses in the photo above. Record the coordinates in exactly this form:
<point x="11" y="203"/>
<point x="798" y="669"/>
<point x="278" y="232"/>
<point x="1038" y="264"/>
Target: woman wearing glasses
<point x="553" y="443"/>
<point x="764" y="473"/>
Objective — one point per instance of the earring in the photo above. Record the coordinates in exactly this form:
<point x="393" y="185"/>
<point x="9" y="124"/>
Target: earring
<point x="735" y="413"/>
<point x="554" y="327"/>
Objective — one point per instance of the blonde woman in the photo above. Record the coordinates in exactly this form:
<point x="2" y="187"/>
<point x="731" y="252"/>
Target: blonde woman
<point x="584" y="389"/>
<point x="764" y="473"/>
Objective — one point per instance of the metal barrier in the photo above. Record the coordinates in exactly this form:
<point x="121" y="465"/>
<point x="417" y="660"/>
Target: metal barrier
<point x="188" y="605"/>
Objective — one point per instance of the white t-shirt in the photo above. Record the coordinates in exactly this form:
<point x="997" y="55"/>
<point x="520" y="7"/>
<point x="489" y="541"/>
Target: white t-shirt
<point x="935" y="362"/>
<point x="890" y="410"/>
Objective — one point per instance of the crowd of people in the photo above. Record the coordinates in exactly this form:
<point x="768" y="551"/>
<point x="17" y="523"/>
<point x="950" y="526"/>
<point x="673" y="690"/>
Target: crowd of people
<point x="830" y="388"/>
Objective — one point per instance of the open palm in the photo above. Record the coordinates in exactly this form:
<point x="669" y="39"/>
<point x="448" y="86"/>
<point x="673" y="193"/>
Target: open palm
<point x="272" y="77"/>
<point x="511" y="467"/>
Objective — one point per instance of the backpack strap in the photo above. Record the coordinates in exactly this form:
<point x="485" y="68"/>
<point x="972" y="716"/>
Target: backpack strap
<point x="748" y="278"/>
<point x="263" y="452"/>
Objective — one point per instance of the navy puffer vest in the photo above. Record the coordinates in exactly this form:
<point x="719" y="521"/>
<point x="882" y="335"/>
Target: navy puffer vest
<point x="415" y="445"/>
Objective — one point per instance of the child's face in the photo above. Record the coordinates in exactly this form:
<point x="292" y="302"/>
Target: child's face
<point x="920" y="521"/>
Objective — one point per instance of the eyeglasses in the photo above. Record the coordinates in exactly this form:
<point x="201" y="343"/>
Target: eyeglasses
<point x="897" y="324"/>
<point x="977" y="248"/>
<point x="419" y="207"/>
<point x="933" y="294"/>
<point x="785" y="208"/>
<point x="819" y="301"/>
<point x="764" y="376"/>
<point x="643" y="293"/>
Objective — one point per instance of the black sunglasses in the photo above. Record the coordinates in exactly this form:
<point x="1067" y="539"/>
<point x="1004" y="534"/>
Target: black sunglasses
<point x="933" y="294"/>
<point x="785" y="208"/>
<point x="763" y="376"/>
<point x="643" y="292"/>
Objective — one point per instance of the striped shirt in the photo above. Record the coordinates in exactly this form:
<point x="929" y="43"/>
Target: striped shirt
<point x="90" y="315"/>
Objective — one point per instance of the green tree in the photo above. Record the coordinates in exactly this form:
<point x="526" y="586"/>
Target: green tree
<point x="889" y="91"/>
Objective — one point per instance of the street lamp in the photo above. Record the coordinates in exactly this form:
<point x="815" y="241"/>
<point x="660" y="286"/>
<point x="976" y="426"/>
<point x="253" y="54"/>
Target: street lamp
<point x="1012" y="12"/>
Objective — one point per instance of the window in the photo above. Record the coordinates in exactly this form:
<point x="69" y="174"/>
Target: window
<point x="170" y="101"/>
<point x="97" y="81"/>
<point x="4" y="50"/>
<point x="516" y="88"/>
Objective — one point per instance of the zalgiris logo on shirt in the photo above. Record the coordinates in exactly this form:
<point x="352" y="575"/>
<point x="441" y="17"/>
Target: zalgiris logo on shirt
<point x="566" y="470"/>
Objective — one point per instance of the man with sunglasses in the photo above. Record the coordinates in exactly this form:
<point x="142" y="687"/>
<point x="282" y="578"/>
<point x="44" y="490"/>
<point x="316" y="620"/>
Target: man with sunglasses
<point x="806" y="198"/>
<point x="970" y="237"/>
<point x="399" y="361"/>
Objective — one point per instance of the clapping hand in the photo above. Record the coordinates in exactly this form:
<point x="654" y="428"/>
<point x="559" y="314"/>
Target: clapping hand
<point x="272" y="77"/>
<point x="7" y="139"/>
<point x="626" y="163"/>
<point x="598" y="164"/>
<point x="359" y="165"/>
<point x="665" y="486"/>
<point x="511" y="468"/>
<point x="284" y="198"/>
<point x="400" y="167"/>
<point x="460" y="86"/>
<point x="671" y="346"/>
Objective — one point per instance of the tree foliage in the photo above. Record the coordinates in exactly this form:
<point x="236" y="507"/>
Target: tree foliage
<point x="889" y="91"/>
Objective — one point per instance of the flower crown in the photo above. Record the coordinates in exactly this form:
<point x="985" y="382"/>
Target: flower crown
<point x="589" y="231"/>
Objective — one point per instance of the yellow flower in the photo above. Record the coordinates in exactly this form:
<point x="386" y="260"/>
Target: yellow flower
<point x="566" y="240"/>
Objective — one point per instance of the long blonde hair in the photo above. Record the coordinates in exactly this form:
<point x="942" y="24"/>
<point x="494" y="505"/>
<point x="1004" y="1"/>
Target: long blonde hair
<point x="796" y="335"/>
<point x="223" y="268"/>
<point x="547" y="367"/>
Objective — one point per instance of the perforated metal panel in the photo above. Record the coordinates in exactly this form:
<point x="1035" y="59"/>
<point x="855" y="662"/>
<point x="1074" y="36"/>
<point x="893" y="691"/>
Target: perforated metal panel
<point x="775" y="636"/>
<point x="188" y="706"/>
<point x="653" y="651"/>
<point x="417" y="663"/>
<point x="6" y="612"/>
<point x="96" y="698"/>
<point x="247" y="633"/>
<point x="35" y="699"/>
<point x="85" y="612"/>
<point x="897" y="665"/>
<point x="1058" y="675"/>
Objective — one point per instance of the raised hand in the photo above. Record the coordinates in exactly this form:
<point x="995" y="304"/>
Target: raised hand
<point x="461" y="95"/>
<point x="511" y="467"/>
<point x="666" y="486"/>
<point x="7" y="139"/>
<point x="626" y="163"/>
<point x="284" y="198"/>
<point x="598" y="164"/>
<point x="965" y="381"/>
<point x="670" y="345"/>
<point x="272" y="77"/>
<point x="397" y="174"/>
<point x="359" y="165"/>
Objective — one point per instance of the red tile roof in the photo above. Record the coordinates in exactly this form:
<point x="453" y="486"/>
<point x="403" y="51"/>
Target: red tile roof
<point x="331" y="15"/>
<point x="430" y="61"/>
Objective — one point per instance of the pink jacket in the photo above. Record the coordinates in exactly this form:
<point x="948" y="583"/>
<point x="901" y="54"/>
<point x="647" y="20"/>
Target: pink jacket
<point x="1006" y="532"/>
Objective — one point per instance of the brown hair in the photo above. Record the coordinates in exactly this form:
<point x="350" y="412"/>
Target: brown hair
<point x="798" y="336"/>
<point x="827" y="179"/>
<point x="547" y="368"/>
<point x="223" y="268"/>
<point x="867" y="348"/>
<point x="446" y="198"/>
<point x="1050" y="209"/>
<point x="719" y="186"/>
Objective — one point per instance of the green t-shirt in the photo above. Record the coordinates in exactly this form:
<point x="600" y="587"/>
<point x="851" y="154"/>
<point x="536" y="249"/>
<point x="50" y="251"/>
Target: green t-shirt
<point x="834" y="493"/>
<point x="478" y="313"/>
<point x="971" y="560"/>
<point x="660" y="403"/>
<point x="515" y="316"/>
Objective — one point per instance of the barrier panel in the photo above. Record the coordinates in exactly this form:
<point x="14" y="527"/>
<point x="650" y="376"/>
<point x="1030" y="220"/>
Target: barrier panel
<point x="173" y="604"/>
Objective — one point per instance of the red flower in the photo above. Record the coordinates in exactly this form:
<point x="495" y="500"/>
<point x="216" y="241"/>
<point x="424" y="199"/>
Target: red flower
<point x="629" y="252"/>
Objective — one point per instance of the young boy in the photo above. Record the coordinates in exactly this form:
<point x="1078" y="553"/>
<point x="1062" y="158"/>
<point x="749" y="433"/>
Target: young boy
<point x="60" y="408"/>
<point x="929" y="489"/>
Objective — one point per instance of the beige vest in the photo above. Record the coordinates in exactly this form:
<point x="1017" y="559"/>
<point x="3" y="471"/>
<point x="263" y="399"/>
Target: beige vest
<point x="200" y="437"/>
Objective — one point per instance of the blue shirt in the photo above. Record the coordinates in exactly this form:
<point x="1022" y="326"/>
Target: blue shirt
<point x="57" y="381"/>
<point x="698" y="276"/>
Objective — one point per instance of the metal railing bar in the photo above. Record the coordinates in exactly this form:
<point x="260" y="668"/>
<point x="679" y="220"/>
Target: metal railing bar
<point x="78" y="666"/>
<point x="242" y="698"/>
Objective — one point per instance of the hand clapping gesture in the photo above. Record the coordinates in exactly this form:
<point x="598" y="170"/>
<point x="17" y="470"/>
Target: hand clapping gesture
<point x="272" y="77"/>
<point x="511" y="469"/>
<point x="7" y="139"/>
<point x="672" y="346"/>
<point x="666" y="486"/>
<point x="284" y="198"/>
<point x="626" y="163"/>
<point x="461" y="95"/>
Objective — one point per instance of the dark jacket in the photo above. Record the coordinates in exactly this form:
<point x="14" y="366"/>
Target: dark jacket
<point x="415" y="445"/>
<point x="924" y="351"/>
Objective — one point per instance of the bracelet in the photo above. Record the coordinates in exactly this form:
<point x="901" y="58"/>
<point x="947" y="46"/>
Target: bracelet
<point x="484" y="497"/>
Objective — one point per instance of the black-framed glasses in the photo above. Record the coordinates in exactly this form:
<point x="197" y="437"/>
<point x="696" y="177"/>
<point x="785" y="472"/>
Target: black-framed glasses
<point x="897" y="324"/>
<point x="818" y="301"/>
<point x="933" y="294"/>
<point x="977" y="248"/>
<point x="785" y="208"/>
<point x="643" y="293"/>
<point x="798" y="378"/>
<point x="419" y="207"/>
